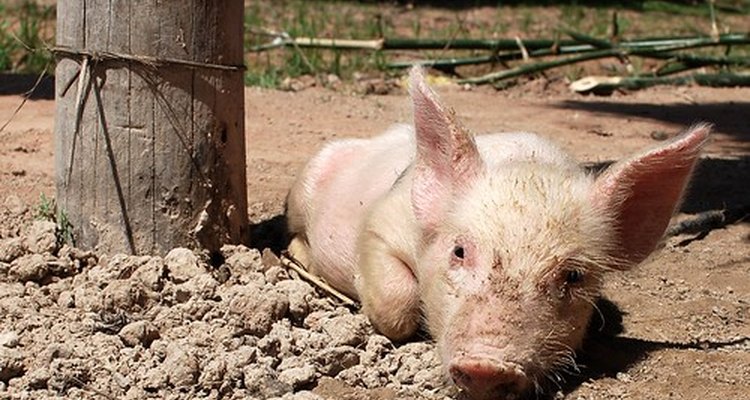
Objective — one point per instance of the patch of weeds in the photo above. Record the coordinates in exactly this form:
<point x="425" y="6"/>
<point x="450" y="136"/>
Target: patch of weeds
<point x="675" y="8"/>
<point x="591" y="21"/>
<point x="268" y="78"/>
<point x="32" y="22"/>
<point x="416" y="28"/>
<point x="7" y="44"/>
<point x="26" y="32"/>
<point x="623" y="24"/>
<point x="574" y="73"/>
<point x="296" y="18"/>
<point x="527" y="21"/>
<point x="47" y="210"/>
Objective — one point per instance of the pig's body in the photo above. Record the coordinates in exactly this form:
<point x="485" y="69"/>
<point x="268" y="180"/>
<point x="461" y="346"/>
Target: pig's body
<point x="330" y="219"/>
<point x="333" y="220"/>
<point x="498" y="243"/>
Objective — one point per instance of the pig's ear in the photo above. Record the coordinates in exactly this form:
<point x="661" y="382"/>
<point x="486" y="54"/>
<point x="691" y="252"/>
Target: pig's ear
<point x="446" y="157"/>
<point x="643" y="192"/>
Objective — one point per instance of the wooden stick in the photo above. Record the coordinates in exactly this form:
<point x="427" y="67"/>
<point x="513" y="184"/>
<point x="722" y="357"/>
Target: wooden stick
<point x="290" y="262"/>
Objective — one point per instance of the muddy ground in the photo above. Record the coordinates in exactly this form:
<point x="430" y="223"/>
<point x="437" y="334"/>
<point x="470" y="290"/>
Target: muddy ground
<point x="84" y="325"/>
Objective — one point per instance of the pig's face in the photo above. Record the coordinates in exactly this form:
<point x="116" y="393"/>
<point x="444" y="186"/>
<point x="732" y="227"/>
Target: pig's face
<point x="510" y="277"/>
<point x="512" y="253"/>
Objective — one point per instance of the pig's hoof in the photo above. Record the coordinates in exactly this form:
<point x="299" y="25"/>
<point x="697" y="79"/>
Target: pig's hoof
<point x="489" y="379"/>
<point x="300" y="250"/>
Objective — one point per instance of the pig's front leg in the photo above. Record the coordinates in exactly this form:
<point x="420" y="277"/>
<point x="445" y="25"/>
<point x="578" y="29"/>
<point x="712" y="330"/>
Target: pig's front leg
<point x="387" y="288"/>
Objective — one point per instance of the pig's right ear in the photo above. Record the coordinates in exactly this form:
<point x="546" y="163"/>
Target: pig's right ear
<point x="447" y="157"/>
<point x="642" y="193"/>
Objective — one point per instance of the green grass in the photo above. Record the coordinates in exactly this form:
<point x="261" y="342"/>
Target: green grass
<point x="26" y="32"/>
<point x="47" y="210"/>
<point x="302" y="18"/>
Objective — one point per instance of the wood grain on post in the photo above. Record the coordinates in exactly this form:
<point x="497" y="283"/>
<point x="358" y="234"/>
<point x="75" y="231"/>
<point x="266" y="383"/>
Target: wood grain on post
<point x="149" y="128"/>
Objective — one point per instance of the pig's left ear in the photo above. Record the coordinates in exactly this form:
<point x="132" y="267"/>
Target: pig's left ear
<point x="446" y="158"/>
<point x="643" y="192"/>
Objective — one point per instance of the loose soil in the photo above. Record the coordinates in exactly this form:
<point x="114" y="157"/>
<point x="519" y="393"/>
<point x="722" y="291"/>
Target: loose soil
<point x="83" y="325"/>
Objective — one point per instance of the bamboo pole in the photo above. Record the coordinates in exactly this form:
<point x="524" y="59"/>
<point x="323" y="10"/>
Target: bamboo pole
<point x="283" y="39"/>
<point x="620" y="51"/>
<point x="608" y="84"/>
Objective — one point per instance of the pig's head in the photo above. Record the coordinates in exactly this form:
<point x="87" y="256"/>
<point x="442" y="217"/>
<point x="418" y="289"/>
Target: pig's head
<point x="513" y="253"/>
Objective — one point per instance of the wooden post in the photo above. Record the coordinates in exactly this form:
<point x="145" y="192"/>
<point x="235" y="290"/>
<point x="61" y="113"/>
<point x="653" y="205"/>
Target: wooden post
<point x="149" y="128"/>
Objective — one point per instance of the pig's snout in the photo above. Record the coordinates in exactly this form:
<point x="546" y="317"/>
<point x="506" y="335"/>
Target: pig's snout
<point x="482" y="378"/>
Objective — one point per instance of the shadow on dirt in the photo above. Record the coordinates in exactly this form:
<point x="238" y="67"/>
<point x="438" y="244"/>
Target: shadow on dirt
<point x="606" y="353"/>
<point x="718" y="194"/>
<point x="23" y="84"/>
<point x="719" y="183"/>
<point x="728" y="117"/>
<point x="269" y="234"/>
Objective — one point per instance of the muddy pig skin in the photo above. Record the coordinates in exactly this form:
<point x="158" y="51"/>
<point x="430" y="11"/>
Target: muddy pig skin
<point x="498" y="244"/>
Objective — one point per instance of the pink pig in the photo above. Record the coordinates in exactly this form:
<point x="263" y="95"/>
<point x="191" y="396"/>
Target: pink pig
<point x="497" y="243"/>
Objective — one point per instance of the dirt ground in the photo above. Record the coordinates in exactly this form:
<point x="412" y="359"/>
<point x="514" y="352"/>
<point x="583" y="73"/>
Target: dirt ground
<point x="685" y="313"/>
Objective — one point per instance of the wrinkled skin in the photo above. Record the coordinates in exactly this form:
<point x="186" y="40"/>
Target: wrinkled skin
<point x="498" y="243"/>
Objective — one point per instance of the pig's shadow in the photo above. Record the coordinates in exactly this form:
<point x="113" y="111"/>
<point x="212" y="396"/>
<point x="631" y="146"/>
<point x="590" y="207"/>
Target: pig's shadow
<point x="605" y="353"/>
<point x="269" y="234"/>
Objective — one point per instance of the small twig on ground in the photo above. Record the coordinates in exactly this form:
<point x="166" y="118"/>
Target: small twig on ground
<point x="85" y="386"/>
<point x="524" y="52"/>
<point x="290" y="262"/>
<point x="710" y="220"/>
<point x="714" y="25"/>
<point x="615" y="33"/>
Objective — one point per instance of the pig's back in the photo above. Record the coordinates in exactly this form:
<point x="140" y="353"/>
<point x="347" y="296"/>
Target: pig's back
<point x="501" y="148"/>
<point x="349" y="177"/>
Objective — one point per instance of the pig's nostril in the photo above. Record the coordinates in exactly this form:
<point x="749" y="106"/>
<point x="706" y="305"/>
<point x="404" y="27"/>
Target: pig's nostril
<point x="482" y="377"/>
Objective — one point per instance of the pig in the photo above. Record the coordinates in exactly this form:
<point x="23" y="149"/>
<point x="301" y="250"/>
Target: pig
<point x="497" y="244"/>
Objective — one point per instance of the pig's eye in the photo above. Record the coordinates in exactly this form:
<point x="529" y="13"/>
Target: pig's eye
<point x="458" y="252"/>
<point x="573" y="276"/>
